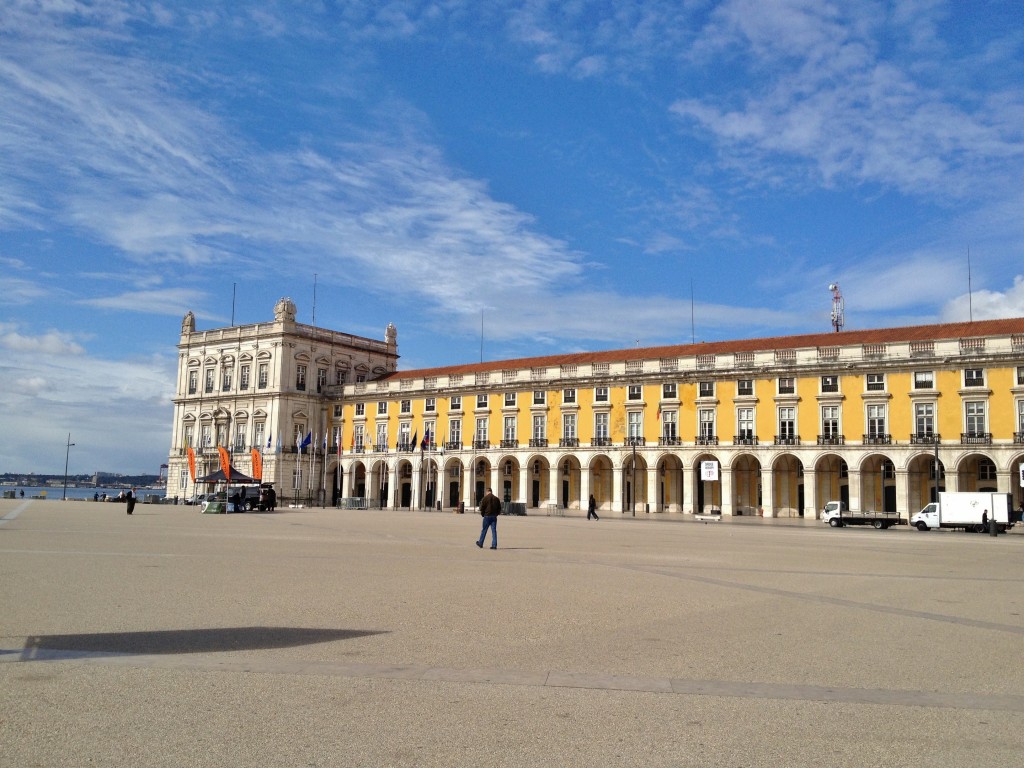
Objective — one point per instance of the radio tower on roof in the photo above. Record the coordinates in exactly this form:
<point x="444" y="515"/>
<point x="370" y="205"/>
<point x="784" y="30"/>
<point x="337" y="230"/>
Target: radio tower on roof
<point x="837" y="308"/>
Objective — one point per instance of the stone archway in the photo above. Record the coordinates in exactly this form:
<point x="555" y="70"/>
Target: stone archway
<point x="746" y="484"/>
<point x="788" y="498"/>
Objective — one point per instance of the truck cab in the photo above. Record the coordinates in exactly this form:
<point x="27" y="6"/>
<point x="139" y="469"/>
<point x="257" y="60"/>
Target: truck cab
<point x="832" y="513"/>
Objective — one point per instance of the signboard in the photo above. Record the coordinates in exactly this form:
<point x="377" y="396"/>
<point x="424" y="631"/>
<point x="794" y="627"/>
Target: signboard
<point x="709" y="470"/>
<point x="1022" y="475"/>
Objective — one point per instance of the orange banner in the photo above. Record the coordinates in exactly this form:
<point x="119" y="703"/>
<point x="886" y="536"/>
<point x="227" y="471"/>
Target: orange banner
<point x="225" y="462"/>
<point x="191" y="452"/>
<point x="257" y="464"/>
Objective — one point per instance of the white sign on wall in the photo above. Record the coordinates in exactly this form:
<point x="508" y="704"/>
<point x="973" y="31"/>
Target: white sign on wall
<point x="1022" y="475"/>
<point x="709" y="471"/>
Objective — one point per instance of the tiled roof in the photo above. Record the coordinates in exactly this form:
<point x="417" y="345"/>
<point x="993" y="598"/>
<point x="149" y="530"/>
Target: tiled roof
<point x="944" y="331"/>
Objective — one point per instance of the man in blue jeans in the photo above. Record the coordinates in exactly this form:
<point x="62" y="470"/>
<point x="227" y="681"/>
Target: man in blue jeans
<point x="490" y="508"/>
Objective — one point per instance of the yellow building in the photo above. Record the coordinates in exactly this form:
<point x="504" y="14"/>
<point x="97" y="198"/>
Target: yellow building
<point x="773" y="426"/>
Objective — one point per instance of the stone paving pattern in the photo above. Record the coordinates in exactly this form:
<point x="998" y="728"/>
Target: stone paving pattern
<point x="314" y="637"/>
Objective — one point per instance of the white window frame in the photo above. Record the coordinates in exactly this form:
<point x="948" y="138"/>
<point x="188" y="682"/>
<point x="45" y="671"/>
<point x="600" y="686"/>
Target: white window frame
<point x="601" y="426"/>
<point x="569" y="395"/>
<point x="786" y="417"/>
<point x="874" y="382"/>
<point x="600" y="394"/>
<point x="973" y="411"/>
<point x="569" y="431"/>
<point x="830" y="421"/>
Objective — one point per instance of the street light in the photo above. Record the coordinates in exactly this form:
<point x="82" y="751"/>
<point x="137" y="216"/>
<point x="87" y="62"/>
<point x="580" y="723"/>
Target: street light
<point x="67" y="455"/>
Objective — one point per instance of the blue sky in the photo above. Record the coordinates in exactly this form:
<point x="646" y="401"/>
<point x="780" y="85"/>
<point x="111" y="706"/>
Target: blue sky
<point x="573" y="172"/>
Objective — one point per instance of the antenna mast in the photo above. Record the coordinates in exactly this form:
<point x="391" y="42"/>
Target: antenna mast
<point x="838" y="308"/>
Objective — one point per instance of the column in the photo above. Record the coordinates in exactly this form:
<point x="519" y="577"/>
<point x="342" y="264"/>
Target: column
<point x="727" y="490"/>
<point x="416" y="501"/>
<point x="393" y="490"/>
<point x="585" y="489"/>
<point x="853" y="485"/>
<point x="653" y="478"/>
<point x="811" y="501"/>
<point x="617" y="505"/>
<point x="554" y="484"/>
<point x="524" y="485"/>
<point x="467" y="485"/>
<point x="768" y="491"/>
<point x="903" y="494"/>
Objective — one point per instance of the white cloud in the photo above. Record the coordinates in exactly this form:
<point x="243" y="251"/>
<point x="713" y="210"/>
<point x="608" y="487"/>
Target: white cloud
<point x="986" y="304"/>
<point x="50" y="343"/>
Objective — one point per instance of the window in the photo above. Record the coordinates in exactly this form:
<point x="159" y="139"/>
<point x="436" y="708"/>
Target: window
<point x="540" y="398"/>
<point x="1020" y="415"/>
<point x="339" y="376"/>
<point x="744" y="423"/>
<point x="336" y="437"/>
<point x="258" y="434"/>
<point x="669" y="391"/>
<point x="481" y="401"/>
<point x="830" y="421"/>
<point x="243" y="378"/>
<point x="706" y="423"/>
<point x="455" y="404"/>
<point x="876" y="421"/>
<point x="568" y="395"/>
<point x="787" y="423"/>
<point x="337" y="411"/>
<point x="240" y="436"/>
<point x="875" y="382"/>
<point x="600" y="394"/>
<point x="786" y="385"/>
<point x="225" y="380"/>
<point x="429" y="434"/>
<point x="188" y="436"/>
<point x="635" y="424"/>
<point x="297" y="479"/>
<point x="382" y="407"/>
<point x="539" y="432"/>
<point x="382" y="436"/>
<point x="510" y="399"/>
<point x="193" y="382"/>
<point x="974" y="377"/>
<point x="300" y="377"/>
<point x="924" y="419"/>
<point x="183" y="479"/>
<point x="975" y="421"/>
<point x="206" y="436"/>
<point x="360" y="378"/>
<point x="601" y="426"/>
<point x="263" y="376"/>
<point x="829" y="383"/>
<point x="321" y="379"/>
<point x="635" y="392"/>
<point x="670" y="425"/>
<point x="986" y="469"/>
<point x="706" y="389"/>
<point x="430" y="405"/>
<point x="357" y="437"/>
<point x="1020" y="375"/>
<point x="508" y="431"/>
<point x="405" y="436"/>
<point x="569" y="425"/>
<point x="745" y="387"/>
<point x="360" y="409"/>
<point x="300" y="432"/>
<point x="209" y="380"/>
<point x="405" y="406"/>
<point x="924" y="379"/>
<point x="455" y="431"/>
<point x="481" y="430"/>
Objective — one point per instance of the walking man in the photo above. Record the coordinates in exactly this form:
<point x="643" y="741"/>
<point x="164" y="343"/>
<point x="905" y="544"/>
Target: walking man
<point x="490" y="508"/>
<point x="131" y="501"/>
<point x="592" y="508"/>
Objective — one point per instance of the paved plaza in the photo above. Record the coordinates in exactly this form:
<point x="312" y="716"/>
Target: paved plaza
<point x="313" y="637"/>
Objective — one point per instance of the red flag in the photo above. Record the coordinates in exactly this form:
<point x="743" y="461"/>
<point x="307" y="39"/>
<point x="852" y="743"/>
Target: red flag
<point x="191" y="453"/>
<point x="225" y="462"/>
<point x="257" y="464"/>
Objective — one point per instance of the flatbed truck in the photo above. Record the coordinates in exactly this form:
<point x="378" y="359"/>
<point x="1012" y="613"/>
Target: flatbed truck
<point x="837" y="515"/>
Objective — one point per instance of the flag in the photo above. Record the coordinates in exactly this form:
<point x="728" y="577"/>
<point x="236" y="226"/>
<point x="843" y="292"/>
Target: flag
<point x="191" y="452"/>
<point x="325" y="442"/>
<point x="257" y="464"/>
<point x="225" y="462"/>
<point x="268" y="439"/>
<point x="369" y="442"/>
<point x="278" y="444"/>
<point x="305" y="442"/>
<point x="426" y="440"/>
<point x="412" y="445"/>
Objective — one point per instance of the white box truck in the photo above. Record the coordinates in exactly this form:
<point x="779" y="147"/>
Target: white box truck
<point x="836" y="514"/>
<point x="970" y="511"/>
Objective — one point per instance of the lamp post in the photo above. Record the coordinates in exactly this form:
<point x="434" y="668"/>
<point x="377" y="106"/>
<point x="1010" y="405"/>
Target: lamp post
<point x="67" y="455"/>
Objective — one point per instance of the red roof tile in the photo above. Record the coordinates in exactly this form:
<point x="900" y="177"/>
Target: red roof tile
<point x="976" y="329"/>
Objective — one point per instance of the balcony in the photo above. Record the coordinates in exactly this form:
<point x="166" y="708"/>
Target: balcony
<point x="453" y="445"/>
<point x="976" y="438"/>
<point x="925" y="438"/>
<point x="787" y="440"/>
<point x="538" y="442"/>
<point x="670" y="441"/>
<point x="506" y="443"/>
<point x="1018" y="438"/>
<point x="707" y="440"/>
<point x="744" y="440"/>
<point x="831" y="440"/>
<point x="877" y="438"/>
<point x="635" y="442"/>
<point x="601" y="442"/>
<point x="481" y="445"/>
<point x="569" y="442"/>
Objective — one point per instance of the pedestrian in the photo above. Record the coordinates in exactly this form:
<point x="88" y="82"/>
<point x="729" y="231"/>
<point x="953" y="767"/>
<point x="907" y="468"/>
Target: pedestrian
<point x="592" y="508"/>
<point x="1020" y="512"/>
<point x="490" y="508"/>
<point x="131" y="500"/>
<point x="272" y="498"/>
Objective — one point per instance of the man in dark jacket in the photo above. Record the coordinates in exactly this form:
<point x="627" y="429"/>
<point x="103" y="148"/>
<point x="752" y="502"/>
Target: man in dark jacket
<point x="490" y="508"/>
<point x="131" y="501"/>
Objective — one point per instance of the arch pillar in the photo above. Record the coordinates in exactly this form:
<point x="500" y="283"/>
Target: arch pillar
<point x="853" y="480"/>
<point x="617" y="505"/>
<point x="811" y="503"/>
<point x="768" y="492"/>
<point x="727" y="506"/>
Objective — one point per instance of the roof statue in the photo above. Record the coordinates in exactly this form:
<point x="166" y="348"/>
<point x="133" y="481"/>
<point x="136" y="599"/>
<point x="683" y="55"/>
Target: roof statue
<point x="284" y="310"/>
<point x="188" y="323"/>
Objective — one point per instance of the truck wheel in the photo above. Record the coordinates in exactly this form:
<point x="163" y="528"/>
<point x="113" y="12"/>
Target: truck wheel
<point x="879" y="525"/>
<point x="834" y="522"/>
<point x="979" y="529"/>
<point x="922" y="526"/>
